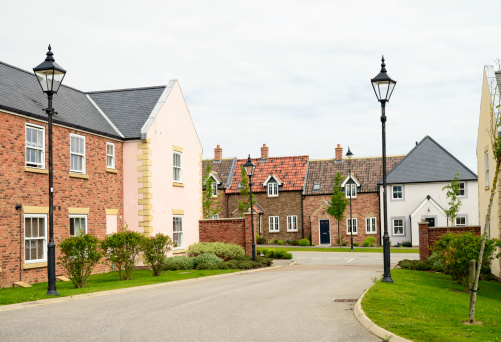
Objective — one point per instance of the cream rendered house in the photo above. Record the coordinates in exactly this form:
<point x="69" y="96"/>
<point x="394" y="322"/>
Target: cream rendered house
<point x="485" y="158"/>
<point x="162" y="160"/>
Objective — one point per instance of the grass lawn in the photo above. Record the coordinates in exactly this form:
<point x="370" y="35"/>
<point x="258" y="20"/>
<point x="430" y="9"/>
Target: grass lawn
<point x="424" y="306"/>
<point x="100" y="282"/>
<point x="345" y="249"/>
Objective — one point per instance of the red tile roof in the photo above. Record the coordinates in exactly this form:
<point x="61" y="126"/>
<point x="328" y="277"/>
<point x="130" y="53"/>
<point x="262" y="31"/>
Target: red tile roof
<point x="291" y="170"/>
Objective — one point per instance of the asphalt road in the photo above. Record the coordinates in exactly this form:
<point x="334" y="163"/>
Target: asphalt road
<point x="294" y="303"/>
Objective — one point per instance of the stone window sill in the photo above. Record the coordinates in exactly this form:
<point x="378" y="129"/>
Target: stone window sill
<point x="178" y="184"/>
<point x="78" y="175"/>
<point x="487" y="187"/>
<point x="273" y="232"/>
<point x="178" y="251"/>
<point x="35" y="265"/>
<point x="35" y="170"/>
<point x="111" y="170"/>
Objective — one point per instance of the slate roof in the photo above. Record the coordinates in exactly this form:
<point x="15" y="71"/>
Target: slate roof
<point x="291" y="170"/>
<point x="21" y="93"/>
<point x="224" y="169"/>
<point x="128" y="109"/>
<point x="367" y="171"/>
<point x="428" y="162"/>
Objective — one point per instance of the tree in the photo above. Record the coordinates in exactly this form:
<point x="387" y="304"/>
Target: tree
<point x="242" y="204"/>
<point x="339" y="202"/>
<point x="210" y="203"/>
<point x="454" y="202"/>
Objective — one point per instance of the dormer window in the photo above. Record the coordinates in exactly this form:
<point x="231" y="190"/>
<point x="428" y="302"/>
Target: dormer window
<point x="350" y="185"/>
<point x="316" y="187"/>
<point x="272" y="189"/>
<point x="214" y="189"/>
<point x="272" y="183"/>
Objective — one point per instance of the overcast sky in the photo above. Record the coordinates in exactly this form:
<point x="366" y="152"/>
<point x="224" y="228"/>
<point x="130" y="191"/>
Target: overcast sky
<point x="292" y="74"/>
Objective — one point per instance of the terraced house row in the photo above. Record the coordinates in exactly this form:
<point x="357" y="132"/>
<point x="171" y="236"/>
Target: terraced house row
<point x="293" y="193"/>
<point x="128" y="157"/>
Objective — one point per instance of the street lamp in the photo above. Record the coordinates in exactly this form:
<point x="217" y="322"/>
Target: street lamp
<point x="383" y="87"/>
<point x="349" y="155"/>
<point x="50" y="75"/>
<point x="250" y="167"/>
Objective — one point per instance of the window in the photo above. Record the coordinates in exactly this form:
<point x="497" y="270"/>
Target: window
<point x="460" y="221"/>
<point x="214" y="189"/>
<point x="177" y="167"/>
<point x="77" y="153"/>
<point x="397" y="192"/>
<point x="352" y="223"/>
<point x="274" y="224"/>
<point x="292" y="223"/>
<point x="272" y="189"/>
<point x="177" y="231"/>
<point x="110" y="155"/>
<point x="35" y="238"/>
<point x="370" y="225"/>
<point x="462" y="189"/>
<point x="398" y="227"/>
<point x="316" y="187"/>
<point x="212" y="217"/>
<point x="78" y="225"/>
<point x="486" y="168"/>
<point x="35" y="146"/>
<point x="350" y="188"/>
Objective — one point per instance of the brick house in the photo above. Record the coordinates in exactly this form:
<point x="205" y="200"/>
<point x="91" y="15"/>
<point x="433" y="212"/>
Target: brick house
<point x="101" y="142"/>
<point x="366" y="172"/>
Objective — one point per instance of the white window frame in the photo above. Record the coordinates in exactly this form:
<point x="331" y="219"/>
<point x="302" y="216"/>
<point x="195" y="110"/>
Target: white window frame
<point x="460" y="224"/>
<point x="213" y="217"/>
<point x="394" y="225"/>
<point x="486" y="168"/>
<point x="110" y="156"/>
<point x="401" y="192"/>
<point x="81" y="155"/>
<point x="178" y="168"/>
<point x="274" y="224"/>
<point x="214" y="188"/>
<point x="179" y="233"/>
<point x="41" y="150"/>
<point x="461" y="189"/>
<point x="44" y="238"/>
<point x="370" y="225"/>
<point x="292" y="223"/>
<point x="348" y="226"/>
<point x="78" y="217"/>
<point x="272" y="189"/>
<point x="350" y="187"/>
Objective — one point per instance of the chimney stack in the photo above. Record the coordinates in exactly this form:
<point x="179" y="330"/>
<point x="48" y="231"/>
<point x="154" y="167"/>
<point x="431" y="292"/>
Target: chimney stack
<point x="339" y="152"/>
<point x="218" y="153"/>
<point x="264" y="152"/>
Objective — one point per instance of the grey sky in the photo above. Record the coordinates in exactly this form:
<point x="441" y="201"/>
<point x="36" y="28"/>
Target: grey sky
<point x="292" y="74"/>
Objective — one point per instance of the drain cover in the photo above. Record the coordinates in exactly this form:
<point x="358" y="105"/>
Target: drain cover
<point x="345" y="300"/>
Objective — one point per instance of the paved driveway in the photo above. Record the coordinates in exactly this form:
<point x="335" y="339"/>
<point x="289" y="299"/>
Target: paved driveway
<point x="288" y="304"/>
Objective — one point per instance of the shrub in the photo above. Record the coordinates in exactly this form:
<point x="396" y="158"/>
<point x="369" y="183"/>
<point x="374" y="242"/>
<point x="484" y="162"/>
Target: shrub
<point x="121" y="250"/>
<point x="154" y="251"/>
<point x="456" y="251"/>
<point x="280" y="242"/>
<point x="274" y="253"/>
<point x="294" y="243"/>
<point x="288" y="241"/>
<point x="370" y="241"/>
<point x="207" y="259"/>
<point x="340" y="240"/>
<point x="225" y="251"/>
<point x="304" y="242"/>
<point x="177" y="263"/>
<point x="417" y="265"/>
<point x="406" y="244"/>
<point x="79" y="255"/>
<point x="356" y="244"/>
<point x="437" y="264"/>
<point x="260" y="240"/>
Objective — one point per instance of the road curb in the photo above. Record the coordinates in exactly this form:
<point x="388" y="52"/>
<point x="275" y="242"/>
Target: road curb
<point x="49" y="301"/>
<point x="370" y="325"/>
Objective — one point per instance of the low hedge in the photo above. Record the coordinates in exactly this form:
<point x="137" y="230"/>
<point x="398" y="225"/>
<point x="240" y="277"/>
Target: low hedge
<point x="225" y="251"/>
<point x="274" y="253"/>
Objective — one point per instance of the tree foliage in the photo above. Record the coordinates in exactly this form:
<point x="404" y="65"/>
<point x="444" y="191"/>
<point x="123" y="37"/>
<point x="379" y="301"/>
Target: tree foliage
<point x="242" y="202"/>
<point x="155" y="250"/>
<point x="339" y="202"/>
<point x="210" y="203"/>
<point x="121" y="250"/>
<point x="454" y="202"/>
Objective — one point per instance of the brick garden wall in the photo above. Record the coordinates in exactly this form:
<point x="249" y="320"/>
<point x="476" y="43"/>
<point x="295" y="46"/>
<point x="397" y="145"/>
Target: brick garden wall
<point x="428" y="236"/>
<point x="103" y="190"/>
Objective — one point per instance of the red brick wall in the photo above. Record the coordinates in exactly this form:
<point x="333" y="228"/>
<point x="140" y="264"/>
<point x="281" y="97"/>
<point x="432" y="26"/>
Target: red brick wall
<point x="102" y="190"/>
<point x="364" y="205"/>
<point x="428" y="236"/>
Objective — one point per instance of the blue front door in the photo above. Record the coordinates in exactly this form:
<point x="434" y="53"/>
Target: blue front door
<point x="325" y="235"/>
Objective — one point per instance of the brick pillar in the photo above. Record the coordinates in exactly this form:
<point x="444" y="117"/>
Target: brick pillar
<point x="218" y="153"/>
<point x="424" y="241"/>
<point x="264" y="152"/>
<point x="339" y="152"/>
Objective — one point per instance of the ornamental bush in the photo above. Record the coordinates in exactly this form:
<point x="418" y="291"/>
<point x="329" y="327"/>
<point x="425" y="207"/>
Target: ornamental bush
<point x="370" y="241"/>
<point x="260" y="240"/>
<point x="280" y="242"/>
<point x="154" y="251"/>
<point x="79" y="255"/>
<point x="274" y="253"/>
<point x="456" y="251"/>
<point x="122" y="250"/>
<point x="177" y="263"/>
<point x="207" y="259"/>
<point x="304" y="242"/>
<point x="225" y="251"/>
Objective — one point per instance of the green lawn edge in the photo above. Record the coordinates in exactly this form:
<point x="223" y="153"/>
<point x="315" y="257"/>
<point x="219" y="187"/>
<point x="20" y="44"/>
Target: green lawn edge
<point x="344" y="249"/>
<point x="99" y="283"/>
<point x="426" y="306"/>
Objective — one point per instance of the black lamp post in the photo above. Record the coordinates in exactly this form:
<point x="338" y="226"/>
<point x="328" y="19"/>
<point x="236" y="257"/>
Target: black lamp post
<point x="250" y="167"/>
<point x="349" y="155"/>
<point x="383" y="87"/>
<point x="50" y="75"/>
